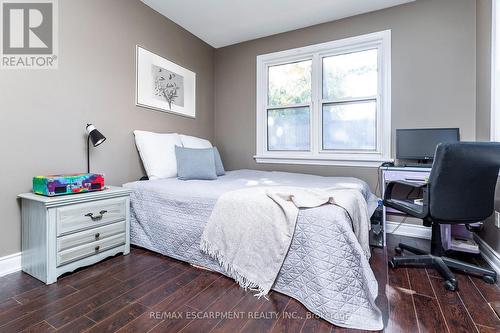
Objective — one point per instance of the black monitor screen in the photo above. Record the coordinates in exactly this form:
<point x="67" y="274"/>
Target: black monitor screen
<point x="420" y="144"/>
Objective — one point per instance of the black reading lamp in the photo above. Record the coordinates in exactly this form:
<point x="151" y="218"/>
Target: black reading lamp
<point x="96" y="137"/>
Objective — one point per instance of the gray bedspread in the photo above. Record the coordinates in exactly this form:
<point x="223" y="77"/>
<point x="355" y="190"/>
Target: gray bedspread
<point x="325" y="268"/>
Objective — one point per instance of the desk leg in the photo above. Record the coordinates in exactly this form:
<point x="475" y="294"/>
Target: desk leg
<point x="382" y="181"/>
<point x="384" y="225"/>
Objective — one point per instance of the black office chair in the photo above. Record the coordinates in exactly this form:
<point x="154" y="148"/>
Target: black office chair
<point x="460" y="190"/>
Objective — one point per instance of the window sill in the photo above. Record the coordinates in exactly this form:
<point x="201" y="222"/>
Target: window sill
<point x="362" y="162"/>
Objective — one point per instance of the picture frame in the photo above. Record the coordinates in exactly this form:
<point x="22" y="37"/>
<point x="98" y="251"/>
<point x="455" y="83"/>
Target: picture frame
<point x="163" y="85"/>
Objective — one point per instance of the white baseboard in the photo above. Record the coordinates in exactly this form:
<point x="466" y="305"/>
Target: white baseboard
<point x="10" y="264"/>
<point x="490" y="255"/>
<point x="409" y="230"/>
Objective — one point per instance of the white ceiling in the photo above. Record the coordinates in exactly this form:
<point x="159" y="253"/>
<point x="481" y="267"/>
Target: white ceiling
<point x="225" y="22"/>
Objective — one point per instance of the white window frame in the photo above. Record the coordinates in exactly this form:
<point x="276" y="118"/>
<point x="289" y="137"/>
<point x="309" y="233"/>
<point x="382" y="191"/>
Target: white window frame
<point x="317" y="156"/>
<point x="495" y="96"/>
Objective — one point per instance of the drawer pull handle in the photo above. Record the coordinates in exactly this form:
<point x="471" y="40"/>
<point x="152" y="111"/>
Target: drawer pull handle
<point x="97" y="248"/>
<point x="97" y="235"/>
<point x="98" y="217"/>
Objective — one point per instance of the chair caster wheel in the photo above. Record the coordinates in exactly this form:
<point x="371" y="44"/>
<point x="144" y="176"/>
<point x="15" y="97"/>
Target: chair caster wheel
<point x="450" y="285"/>
<point x="398" y="250"/>
<point x="489" y="279"/>
<point x="391" y="264"/>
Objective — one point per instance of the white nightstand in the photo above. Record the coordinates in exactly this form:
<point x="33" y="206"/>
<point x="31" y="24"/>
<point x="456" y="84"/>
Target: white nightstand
<point x="61" y="234"/>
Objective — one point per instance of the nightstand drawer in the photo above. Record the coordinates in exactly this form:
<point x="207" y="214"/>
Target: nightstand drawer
<point x="89" y="236"/>
<point x="90" y="215"/>
<point x="90" y="249"/>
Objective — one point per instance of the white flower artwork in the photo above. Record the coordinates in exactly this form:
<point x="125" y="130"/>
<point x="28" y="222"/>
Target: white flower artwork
<point x="163" y="85"/>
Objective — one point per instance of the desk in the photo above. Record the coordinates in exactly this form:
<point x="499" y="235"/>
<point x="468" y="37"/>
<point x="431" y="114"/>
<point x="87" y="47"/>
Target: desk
<point x="419" y="175"/>
<point x="409" y="174"/>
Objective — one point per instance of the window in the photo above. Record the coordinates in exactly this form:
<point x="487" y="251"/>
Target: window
<point x="326" y="104"/>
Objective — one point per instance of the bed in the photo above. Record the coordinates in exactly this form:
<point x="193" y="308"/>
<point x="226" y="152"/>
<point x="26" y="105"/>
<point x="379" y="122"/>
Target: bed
<point x="325" y="268"/>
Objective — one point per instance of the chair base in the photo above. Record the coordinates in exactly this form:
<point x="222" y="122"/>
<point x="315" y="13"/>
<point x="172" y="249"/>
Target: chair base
<point x="441" y="264"/>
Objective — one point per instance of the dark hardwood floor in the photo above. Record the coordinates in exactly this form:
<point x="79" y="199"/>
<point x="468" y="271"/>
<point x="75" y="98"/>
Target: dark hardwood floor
<point x="146" y="292"/>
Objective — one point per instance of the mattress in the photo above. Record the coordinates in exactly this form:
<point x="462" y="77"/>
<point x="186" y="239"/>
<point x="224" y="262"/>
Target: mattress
<point x="325" y="268"/>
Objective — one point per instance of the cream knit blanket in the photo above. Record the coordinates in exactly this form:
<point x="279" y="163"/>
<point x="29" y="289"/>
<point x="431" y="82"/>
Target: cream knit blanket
<point x="250" y="230"/>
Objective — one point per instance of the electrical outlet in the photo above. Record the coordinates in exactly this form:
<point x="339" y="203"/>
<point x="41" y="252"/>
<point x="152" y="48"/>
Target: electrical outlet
<point x="497" y="219"/>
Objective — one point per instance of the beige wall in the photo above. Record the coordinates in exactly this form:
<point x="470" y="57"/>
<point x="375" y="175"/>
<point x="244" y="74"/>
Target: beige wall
<point x="483" y="74"/>
<point x="433" y="76"/>
<point x="43" y="113"/>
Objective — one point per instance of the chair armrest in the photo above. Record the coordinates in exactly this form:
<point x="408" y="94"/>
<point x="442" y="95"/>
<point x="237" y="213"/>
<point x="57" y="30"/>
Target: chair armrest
<point x="401" y="206"/>
<point x="391" y="185"/>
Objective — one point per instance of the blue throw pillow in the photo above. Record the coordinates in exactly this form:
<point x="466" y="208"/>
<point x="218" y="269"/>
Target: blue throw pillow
<point x="195" y="163"/>
<point x="219" y="167"/>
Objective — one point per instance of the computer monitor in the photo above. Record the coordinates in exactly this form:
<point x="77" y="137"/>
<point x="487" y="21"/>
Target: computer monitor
<point x="420" y="144"/>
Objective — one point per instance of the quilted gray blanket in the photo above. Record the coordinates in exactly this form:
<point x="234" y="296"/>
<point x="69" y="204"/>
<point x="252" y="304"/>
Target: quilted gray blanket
<point x="325" y="268"/>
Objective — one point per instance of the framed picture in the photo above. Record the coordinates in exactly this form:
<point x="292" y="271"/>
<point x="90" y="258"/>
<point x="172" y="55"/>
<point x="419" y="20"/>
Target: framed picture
<point x="163" y="85"/>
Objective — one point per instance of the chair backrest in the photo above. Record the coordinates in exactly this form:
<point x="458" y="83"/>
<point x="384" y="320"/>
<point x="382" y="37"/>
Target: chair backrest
<point x="463" y="180"/>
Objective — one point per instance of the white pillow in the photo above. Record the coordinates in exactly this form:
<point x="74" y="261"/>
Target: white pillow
<point x="194" y="142"/>
<point x="157" y="152"/>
